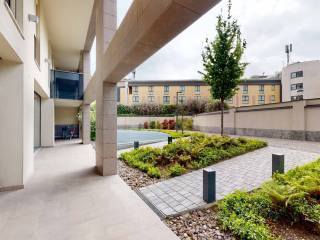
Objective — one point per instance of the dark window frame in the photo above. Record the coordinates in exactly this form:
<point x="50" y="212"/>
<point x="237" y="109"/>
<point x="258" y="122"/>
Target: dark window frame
<point x="298" y="74"/>
<point x="245" y="89"/>
<point x="166" y="99"/>
<point x="245" y="99"/>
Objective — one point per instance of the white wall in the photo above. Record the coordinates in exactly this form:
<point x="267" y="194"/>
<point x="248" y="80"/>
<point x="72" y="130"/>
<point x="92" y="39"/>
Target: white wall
<point x="134" y="122"/>
<point x="18" y="81"/>
<point x="11" y="122"/>
<point x="294" y="120"/>
<point x="310" y="80"/>
<point x="47" y="122"/>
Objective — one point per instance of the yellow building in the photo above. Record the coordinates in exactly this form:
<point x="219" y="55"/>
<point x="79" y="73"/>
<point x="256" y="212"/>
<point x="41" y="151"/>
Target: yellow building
<point x="253" y="91"/>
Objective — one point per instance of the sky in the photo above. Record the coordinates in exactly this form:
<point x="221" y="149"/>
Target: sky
<point x="267" y="26"/>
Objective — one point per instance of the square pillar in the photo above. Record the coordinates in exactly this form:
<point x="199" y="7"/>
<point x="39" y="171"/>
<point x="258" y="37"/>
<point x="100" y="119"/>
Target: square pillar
<point x="86" y="124"/>
<point x="106" y="130"/>
<point x="47" y="123"/>
<point x="86" y="68"/>
<point x="106" y="112"/>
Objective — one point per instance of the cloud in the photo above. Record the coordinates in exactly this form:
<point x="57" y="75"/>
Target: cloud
<point x="267" y="26"/>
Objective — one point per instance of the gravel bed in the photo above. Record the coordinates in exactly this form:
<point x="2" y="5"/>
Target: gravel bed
<point x="292" y="232"/>
<point x="197" y="225"/>
<point x="134" y="177"/>
<point x="202" y="225"/>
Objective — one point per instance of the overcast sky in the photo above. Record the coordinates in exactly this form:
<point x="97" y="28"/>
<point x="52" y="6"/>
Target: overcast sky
<point x="267" y="25"/>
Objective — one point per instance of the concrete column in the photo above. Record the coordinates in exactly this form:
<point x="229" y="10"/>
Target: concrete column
<point x="106" y="139"/>
<point x="47" y="122"/>
<point x="298" y="115"/>
<point x="106" y="125"/>
<point x="86" y="68"/>
<point x="86" y="124"/>
<point x="299" y="120"/>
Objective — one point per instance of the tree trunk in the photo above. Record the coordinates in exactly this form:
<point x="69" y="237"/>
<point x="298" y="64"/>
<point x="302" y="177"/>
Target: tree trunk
<point x="222" y="112"/>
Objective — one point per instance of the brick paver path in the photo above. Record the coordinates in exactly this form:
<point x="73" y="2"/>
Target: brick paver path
<point x="245" y="172"/>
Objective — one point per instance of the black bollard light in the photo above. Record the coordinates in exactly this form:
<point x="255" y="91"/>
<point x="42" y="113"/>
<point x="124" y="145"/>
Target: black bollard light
<point x="209" y="186"/>
<point x="277" y="163"/>
<point x="136" y="144"/>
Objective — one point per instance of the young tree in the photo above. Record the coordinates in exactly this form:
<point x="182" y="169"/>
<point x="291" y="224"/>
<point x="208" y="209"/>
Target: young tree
<point x="222" y="60"/>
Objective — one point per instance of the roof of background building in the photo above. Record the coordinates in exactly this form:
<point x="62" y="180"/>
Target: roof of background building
<point x="194" y="82"/>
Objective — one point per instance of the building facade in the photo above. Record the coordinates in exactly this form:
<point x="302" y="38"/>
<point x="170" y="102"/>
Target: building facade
<point x="42" y="78"/>
<point x="254" y="91"/>
<point x="300" y="81"/>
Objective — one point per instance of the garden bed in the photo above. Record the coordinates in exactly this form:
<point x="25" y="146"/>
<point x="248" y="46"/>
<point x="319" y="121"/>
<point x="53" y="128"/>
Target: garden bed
<point x="133" y="177"/>
<point x="187" y="154"/>
<point x="291" y="198"/>
<point x="287" y="207"/>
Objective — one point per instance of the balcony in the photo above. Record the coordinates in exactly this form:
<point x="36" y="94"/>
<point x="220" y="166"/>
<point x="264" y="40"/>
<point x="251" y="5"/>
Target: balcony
<point x="66" y="85"/>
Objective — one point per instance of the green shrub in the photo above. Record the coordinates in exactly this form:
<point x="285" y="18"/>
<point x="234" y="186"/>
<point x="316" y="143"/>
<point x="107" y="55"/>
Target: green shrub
<point x="244" y="215"/>
<point x="187" y="124"/>
<point x="196" y="151"/>
<point x="154" y="172"/>
<point x="158" y="125"/>
<point x="152" y="125"/>
<point x="296" y="194"/>
<point x="293" y="196"/>
<point x="189" y="108"/>
<point x="176" y="170"/>
<point x="175" y="134"/>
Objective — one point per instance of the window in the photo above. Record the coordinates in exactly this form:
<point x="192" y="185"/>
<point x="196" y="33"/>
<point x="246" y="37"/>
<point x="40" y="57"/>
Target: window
<point x="197" y="89"/>
<point x="118" y="94"/>
<point x="272" y="98"/>
<point x="37" y="37"/>
<point x="150" y="99"/>
<point x="166" y="99"/>
<point x="261" y="88"/>
<point x="230" y="101"/>
<point x="150" y="89"/>
<point x="293" y="86"/>
<point x="182" y="88"/>
<point x="135" y="99"/>
<point x="261" y="99"/>
<point x="16" y="11"/>
<point x="297" y="74"/>
<point x="245" y="89"/>
<point x="298" y="86"/>
<point x="197" y="98"/>
<point x="273" y="87"/>
<point x="182" y="99"/>
<point x="297" y="98"/>
<point x="166" y="89"/>
<point x="245" y="99"/>
<point x="12" y="5"/>
<point x="135" y="89"/>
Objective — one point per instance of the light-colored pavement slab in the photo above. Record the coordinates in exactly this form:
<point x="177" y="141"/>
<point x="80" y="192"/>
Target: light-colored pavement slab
<point x="67" y="200"/>
<point x="246" y="172"/>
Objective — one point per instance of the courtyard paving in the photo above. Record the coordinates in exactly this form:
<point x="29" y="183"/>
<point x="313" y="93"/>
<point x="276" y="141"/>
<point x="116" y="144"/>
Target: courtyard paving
<point x="246" y="172"/>
<point x="66" y="200"/>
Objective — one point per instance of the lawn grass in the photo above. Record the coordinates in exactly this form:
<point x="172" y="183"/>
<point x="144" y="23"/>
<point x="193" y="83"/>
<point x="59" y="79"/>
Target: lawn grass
<point x="186" y="154"/>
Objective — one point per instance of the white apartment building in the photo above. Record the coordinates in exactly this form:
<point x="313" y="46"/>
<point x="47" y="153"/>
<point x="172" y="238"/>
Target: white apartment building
<point x="300" y="81"/>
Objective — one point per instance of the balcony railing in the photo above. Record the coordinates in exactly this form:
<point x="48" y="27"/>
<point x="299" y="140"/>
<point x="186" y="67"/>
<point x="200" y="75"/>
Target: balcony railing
<point x="66" y="85"/>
